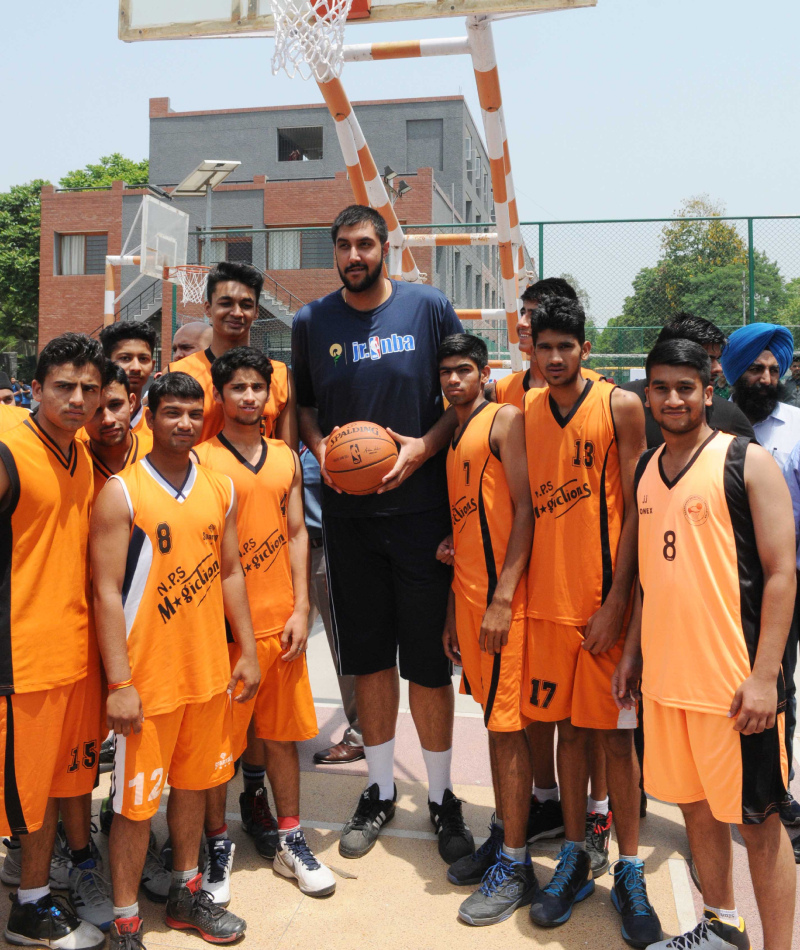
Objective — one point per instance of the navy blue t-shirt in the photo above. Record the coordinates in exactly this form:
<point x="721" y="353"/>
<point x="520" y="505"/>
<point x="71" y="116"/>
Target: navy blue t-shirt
<point x="377" y="366"/>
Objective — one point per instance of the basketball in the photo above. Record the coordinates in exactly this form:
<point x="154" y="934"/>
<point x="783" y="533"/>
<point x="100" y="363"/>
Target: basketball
<point x="358" y="456"/>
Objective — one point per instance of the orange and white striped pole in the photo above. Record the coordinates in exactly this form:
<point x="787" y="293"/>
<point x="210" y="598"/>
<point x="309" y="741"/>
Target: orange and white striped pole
<point x="480" y="314"/>
<point x="451" y="240"/>
<point x="484" y="61"/>
<point x="109" y="297"/>
<point x="401" y="262"/>
<point x="405" y="49"/>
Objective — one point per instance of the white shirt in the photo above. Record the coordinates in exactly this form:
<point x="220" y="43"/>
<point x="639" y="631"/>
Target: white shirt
<point x="779" y="433"/>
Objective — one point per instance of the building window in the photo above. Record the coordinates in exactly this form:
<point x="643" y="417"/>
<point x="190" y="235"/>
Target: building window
<point x="232" y="247"/>
<point x="78" y="254"/>
<point x="478" y="175"/>
<point x="424" y="144"/>
<point x="468" y="156"/>
<point x="300" y="145"/>
<point x="469" y="285"/>
<point x="478" y="291"/>
<point x="316" y="250"/>
<point x="467" y="211"/>
<point x="283" y="250"/>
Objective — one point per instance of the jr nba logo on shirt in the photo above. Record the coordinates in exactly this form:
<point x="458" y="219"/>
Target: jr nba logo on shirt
<point x="378" y="346"/>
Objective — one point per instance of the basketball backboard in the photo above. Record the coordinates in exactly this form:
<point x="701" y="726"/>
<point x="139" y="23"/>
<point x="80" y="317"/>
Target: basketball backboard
<point x="165" y="237"/>
<point x="187" y="19"/>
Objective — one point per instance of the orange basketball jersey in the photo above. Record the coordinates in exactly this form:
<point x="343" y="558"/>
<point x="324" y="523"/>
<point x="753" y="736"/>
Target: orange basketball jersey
<point x="573" y="465"/>
<point x="46" y="637"/>
<point x="11" y="416"/>
<point x="172" y="593"/>
<point x="262" y="492"/>
<point x="701" y="576"/>
<point x="480" y="509"/>
<point x="512" y="388"/>
<point x="102" y="474"/>
<point x="198" y="365"/>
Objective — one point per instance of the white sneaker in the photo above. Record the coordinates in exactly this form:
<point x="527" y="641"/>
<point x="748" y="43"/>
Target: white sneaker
<point x="90" y="895"/>
<point x="217" y="873"/>
<point x="11" y="868"/>
<point x="156" y="879"/>
<point x="295" y="859"/>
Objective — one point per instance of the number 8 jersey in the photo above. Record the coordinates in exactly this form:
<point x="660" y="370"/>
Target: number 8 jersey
<point x="172" y="592"/>
<point x="701" y="576"/>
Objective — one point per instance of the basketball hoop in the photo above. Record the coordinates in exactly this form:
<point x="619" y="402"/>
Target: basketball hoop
<point x="309" y="37"/>
<point x="192" y="280"/>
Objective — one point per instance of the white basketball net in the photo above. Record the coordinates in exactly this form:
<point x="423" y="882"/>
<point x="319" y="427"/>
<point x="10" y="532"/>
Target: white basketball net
<point x="309" y="37"/>
<point x="192" y="282"/>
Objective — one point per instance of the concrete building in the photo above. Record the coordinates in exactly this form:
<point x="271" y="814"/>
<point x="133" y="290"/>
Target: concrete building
<point x="274" y="210"/>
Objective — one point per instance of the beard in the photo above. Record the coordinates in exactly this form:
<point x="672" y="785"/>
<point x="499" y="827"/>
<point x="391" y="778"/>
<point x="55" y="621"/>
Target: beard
<point x="759" y="401"/>
<point x="357" y="285"/>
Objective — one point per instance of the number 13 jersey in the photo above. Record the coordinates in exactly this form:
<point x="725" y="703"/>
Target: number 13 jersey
<point x="701" y="576"/>
<point x="573" y="467"/>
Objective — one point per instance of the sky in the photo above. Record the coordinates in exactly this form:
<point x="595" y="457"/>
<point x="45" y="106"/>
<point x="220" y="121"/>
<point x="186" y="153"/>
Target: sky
<point x="622" y="110"/>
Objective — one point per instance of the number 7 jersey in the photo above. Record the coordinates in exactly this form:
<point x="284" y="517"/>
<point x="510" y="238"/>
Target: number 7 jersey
<point x="573" y="467"/>
<point x="701" y="576"/>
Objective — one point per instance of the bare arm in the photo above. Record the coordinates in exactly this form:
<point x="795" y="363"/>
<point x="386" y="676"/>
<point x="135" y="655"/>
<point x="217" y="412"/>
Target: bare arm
<point x="605" y="625"/>
<point x="286" y="424"/>
<point x="414" y="452"/>
<point x="627" y="678"/>
<point x="755" y="702"/>
<point x="311" y="434"/>
<point x="490" y="391"/>
<point x="295" y="633"/>
<point x="237" y="610"/>
<point x="450" y="636"/>
<point x="108" y="542"/>
<point x="508" y="440"/>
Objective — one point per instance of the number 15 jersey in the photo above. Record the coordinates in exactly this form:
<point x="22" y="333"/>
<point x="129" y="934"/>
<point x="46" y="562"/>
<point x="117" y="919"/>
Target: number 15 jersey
<point x="701" y="576"/>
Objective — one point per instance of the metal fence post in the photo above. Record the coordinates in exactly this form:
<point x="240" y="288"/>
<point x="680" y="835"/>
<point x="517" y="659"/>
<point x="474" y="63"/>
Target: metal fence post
<point x="751" y="269"/>
<point x="541" y="251"/>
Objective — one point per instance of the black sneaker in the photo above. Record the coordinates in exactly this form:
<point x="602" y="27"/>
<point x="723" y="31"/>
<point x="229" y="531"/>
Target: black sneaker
<point x="598" y="834"/>
<point x="107" y="755"/>
<point x="790" y="811"/>
<point x="455" y="839"/>
<point x="106" y="815"/>
<point x="507" y="885"/>
<point x="126" y="934"/>
<point x="545" y="820"/>
<point x="259" y="822"/>
<point x="49" y="922"/>
<point x="642" y="804"/>
<point x="189" y="907"/>
<point x="571" y="882"/>
<point x="640" y="923"/>
<point x="371" y="814"/>
<point x="796" y="849"/>
<point x="470" y="869"/>
<point x="710" y="934"/>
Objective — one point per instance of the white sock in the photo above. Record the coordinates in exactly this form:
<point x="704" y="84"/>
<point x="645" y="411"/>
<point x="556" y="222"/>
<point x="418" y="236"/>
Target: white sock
<point x="32" y="894"/>
<point x="499" y="822"/>
<point x="516" y="854"/>
<point x="380" y="765"/>
<point x="726" y="916"/>
<point x="629" y="857"/>
<point x="546" y="794"/>
<point x="601" y="807"/>
<point x="438" y="766"/>
<point x="132" y="910"/>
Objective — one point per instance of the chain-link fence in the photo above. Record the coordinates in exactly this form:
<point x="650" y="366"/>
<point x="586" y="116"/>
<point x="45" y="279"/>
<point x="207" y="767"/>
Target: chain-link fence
<point x="631" y="275"/>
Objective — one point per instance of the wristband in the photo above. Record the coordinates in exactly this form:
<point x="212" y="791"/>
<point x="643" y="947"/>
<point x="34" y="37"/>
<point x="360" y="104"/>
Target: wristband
<point x="123" y="685"/>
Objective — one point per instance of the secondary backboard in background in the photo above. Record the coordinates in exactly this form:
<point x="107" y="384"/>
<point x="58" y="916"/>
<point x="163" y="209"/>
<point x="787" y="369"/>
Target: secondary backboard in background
<point x="186" y="19"/>
<point x="165" y="237"/>
<point x="208" y="174"/>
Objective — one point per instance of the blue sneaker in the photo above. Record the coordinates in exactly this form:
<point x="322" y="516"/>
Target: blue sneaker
<point x="470" y="869"/>
<point x="571" y="882"/>
<point x="506" y="886"/>
<point x="640" y="923"/>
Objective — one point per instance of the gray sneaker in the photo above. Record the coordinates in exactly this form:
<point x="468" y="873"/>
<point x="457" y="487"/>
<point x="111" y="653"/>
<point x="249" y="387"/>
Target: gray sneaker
<point x="156" y="879"/>
<point x="12" y="863"/>
<point x="361" y="832"/>
<point x="505" y="887"/>
<point x="90" y="895"/>
<point x="61" y="861"/>
<point x="710" y="934"/>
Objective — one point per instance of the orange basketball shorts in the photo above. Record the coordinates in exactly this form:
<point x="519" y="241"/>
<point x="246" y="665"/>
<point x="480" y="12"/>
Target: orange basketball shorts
<point x="564" y="681"/>
<point x="190" y="747"/>
<point x="283" y="708"/>
<point x="492" y="679"/>
<point x="691" y="756"/>
<point x="51" y="747"/>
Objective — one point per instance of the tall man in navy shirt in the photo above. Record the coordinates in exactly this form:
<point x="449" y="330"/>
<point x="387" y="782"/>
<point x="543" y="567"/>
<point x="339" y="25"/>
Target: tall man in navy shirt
<point x="368" y="352"/>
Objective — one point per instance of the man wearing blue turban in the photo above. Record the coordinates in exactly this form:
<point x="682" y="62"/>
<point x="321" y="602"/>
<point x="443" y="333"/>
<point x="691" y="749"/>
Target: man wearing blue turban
<point x="756" y="358"/>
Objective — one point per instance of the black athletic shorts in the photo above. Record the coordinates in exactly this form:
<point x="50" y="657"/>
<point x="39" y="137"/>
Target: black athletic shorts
<point x="389" y="594"/>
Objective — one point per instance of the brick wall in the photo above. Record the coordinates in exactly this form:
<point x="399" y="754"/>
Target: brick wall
<point x="75" y="303"/>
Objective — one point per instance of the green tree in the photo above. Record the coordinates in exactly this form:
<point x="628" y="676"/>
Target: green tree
<point x="110" y="168"/>
<point x="20" y="213"/>
<point x="789" y="313"/>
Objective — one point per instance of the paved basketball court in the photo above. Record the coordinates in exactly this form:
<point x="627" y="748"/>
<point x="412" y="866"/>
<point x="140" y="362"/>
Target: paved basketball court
<point x="397" y="896"/>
